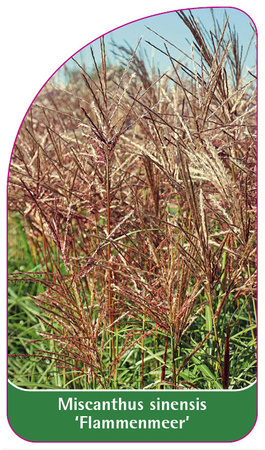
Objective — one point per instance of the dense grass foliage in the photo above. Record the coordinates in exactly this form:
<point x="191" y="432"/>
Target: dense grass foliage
<point x="132" y="225"/>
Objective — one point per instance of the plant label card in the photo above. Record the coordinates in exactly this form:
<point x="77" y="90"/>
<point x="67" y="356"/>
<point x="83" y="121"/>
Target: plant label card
<point x="132" y="238"/>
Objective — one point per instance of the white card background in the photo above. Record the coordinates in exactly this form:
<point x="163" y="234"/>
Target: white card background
<point x="36" y="38"/>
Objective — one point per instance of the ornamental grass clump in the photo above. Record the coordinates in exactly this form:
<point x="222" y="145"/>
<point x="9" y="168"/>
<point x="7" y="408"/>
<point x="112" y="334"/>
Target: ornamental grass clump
<point x="134" y="198"/>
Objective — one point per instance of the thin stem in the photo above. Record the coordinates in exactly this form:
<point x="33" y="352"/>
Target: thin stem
<point x="110" y="298"/>
<point x="142" y="365"/>
<point x="163" y="372"/>
<point x="209" y="295"/>
<point x="173" y="347"/>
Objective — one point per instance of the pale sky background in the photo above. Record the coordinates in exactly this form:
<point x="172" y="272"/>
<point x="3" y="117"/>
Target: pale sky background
<point x="172" y="28"/>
